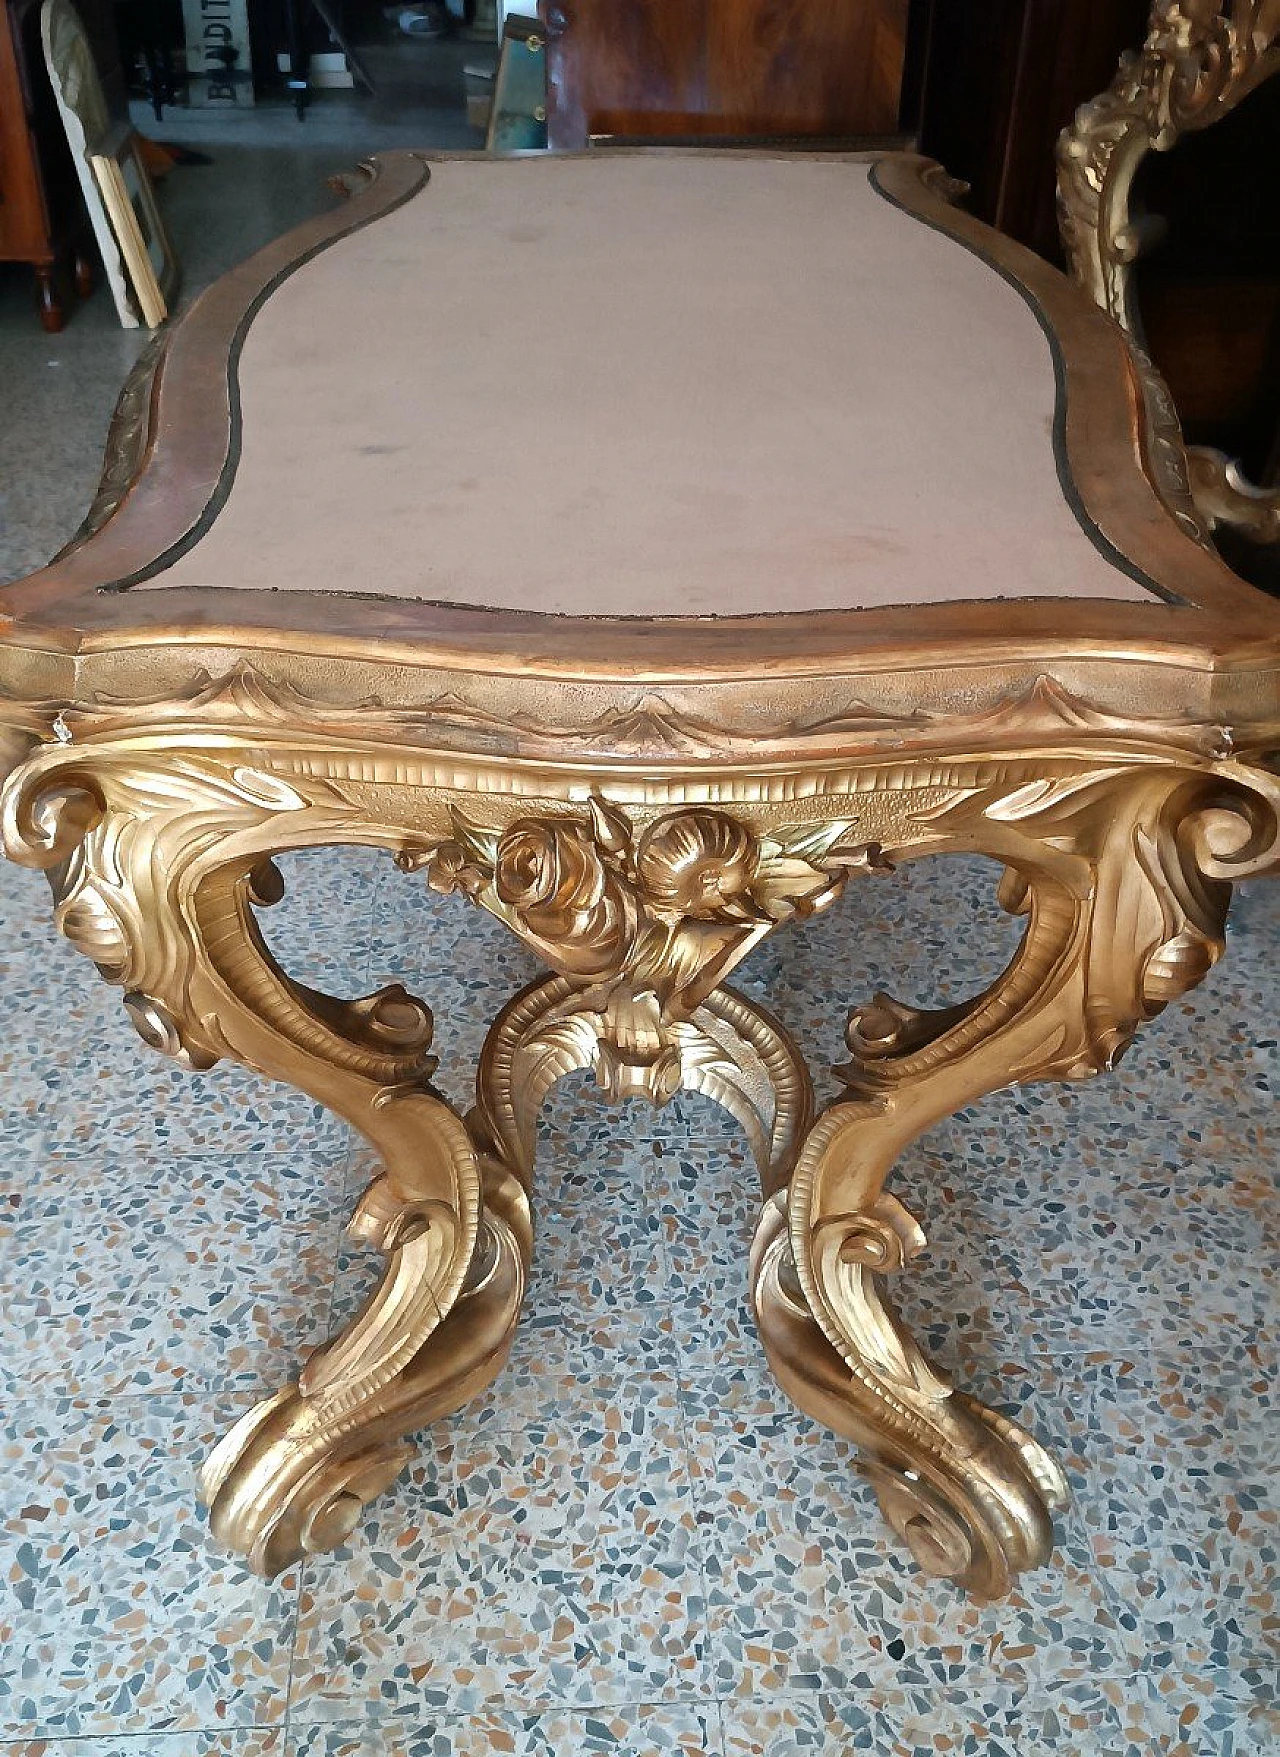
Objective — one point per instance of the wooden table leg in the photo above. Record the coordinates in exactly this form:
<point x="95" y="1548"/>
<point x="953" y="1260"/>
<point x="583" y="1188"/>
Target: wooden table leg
<point x="1120" y="876"/>
<point x="158" y="861"/>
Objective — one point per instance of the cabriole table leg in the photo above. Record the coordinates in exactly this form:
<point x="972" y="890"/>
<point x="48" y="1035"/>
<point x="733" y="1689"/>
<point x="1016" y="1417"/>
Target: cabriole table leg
<point x="159" y="853"/>
<point x="157" y="865"/>
<point x="1120" y="877"/>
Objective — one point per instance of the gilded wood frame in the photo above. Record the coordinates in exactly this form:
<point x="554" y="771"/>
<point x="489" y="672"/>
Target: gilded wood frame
<point x="101" y="152"/>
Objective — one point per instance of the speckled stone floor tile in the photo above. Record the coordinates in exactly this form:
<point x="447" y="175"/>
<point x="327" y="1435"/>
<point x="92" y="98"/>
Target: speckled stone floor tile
<point x="1036" y="1251"/>
<point x="807" y="1592"/>
<point x="245" y="1742"/>
<point x="596" y="1273"/>
<point x="1204" y="1713"/>
<point x="322" y="928"/>
<point x="1084" y="1718"/>
<point x="201" y="1275"/>
<point x="1181" y="1517"/>
<point x="664" y="1731"/>
<point x="559" y="1568"/>
<point x="116" y="1614"/>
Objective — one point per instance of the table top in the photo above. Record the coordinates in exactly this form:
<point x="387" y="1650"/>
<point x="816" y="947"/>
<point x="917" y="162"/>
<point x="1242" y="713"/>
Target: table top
<point x="627" y="417"/>
<point x="652" y="386"/>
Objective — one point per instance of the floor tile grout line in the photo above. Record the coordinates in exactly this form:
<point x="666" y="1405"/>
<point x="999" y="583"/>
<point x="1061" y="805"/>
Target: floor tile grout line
<point x="695" y="1494"/>
<point x="286" y="1740"/>
<point x="722" y="1727"/>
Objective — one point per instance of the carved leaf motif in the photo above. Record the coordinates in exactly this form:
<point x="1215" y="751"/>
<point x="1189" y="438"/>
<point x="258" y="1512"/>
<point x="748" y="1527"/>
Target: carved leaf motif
<point x="267" y="790"/>
<point x="1042" y="796"/>
<point x="786" y="886"/>
<point x="673" y="957"/>
<point x="809" y="842"/>
<point x="480" y="843"/>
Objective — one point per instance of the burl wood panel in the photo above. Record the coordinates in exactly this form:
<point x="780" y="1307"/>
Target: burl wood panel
<point x="724" y="68"/>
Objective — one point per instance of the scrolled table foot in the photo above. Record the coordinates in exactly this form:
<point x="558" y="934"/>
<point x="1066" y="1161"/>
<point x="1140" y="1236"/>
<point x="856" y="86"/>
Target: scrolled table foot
<point x="294" y="1474"/>
<point x="159" y="862"/>
<point x="969" y="1492"/>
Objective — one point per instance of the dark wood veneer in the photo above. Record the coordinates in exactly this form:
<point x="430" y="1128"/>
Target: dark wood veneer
<point x="723" y="68"/>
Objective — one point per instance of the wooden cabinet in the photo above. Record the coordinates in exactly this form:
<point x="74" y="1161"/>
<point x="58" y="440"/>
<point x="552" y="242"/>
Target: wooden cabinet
<point x="723" y="68"/>
<point x="42" y="215"/>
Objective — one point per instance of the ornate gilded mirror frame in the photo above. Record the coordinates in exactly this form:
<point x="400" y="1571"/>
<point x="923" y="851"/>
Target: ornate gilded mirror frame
<point x="1201" y="58"/>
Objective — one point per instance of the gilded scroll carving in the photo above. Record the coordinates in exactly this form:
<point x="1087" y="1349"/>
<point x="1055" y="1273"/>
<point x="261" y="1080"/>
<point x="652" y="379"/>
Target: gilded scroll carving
<point x="1124" y="878"/>
<point x="1118" y="850"/>
<point x="1200" y="59"/>
<point x="157" y="862"/>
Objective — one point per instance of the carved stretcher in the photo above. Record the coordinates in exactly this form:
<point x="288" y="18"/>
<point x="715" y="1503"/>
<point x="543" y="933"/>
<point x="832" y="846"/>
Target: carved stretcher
<point x="799" y="528"/>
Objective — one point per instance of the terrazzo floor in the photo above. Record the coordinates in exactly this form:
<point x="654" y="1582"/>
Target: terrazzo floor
<point x="629" y="1545"/>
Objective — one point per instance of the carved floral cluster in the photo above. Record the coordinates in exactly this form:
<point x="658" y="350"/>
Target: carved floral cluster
<point x="664" y="903"/>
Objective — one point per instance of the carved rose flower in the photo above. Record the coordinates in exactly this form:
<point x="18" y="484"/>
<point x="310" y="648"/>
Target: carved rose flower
<point x="699" y="864"/>
<point x="550" y="872"/>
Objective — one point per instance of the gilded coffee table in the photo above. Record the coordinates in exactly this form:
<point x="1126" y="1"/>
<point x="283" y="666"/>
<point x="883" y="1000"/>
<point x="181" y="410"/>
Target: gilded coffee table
<point x="644" y="547"/>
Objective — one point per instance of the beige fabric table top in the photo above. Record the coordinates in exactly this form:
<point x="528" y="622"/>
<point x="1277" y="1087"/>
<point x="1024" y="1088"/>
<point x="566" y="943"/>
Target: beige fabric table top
<point x="647" y="386"/>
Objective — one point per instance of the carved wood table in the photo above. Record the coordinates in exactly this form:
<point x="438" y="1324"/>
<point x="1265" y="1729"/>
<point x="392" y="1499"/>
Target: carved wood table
<point x="689" y="536"/>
